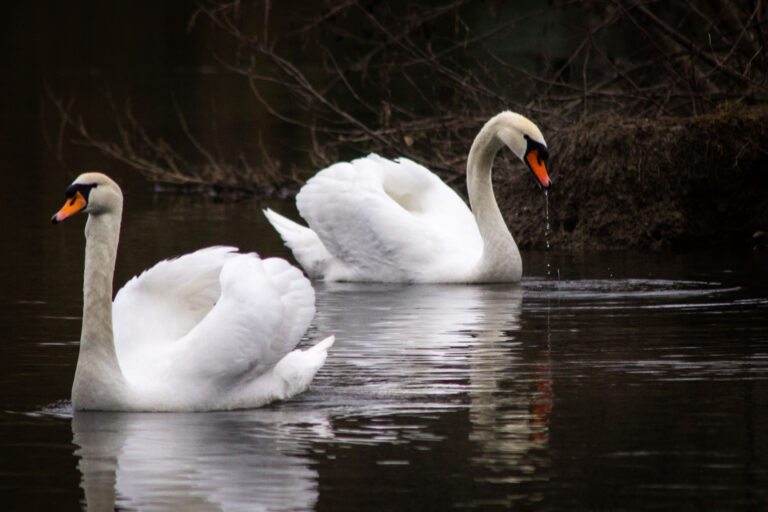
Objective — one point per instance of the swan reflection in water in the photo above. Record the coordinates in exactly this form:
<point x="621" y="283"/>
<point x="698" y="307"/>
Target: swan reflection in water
<point x="239" y="460"/>
<point x="425" y="347"/>
<point x="404" y="354"/>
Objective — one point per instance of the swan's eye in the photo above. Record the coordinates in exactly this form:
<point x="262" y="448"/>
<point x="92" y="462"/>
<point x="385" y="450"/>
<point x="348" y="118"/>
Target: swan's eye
<point x="83" y="188"/>
<point x="542" y="154"/>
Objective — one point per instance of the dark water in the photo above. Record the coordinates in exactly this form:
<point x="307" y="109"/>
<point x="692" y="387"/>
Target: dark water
<point x="633" y="381"/>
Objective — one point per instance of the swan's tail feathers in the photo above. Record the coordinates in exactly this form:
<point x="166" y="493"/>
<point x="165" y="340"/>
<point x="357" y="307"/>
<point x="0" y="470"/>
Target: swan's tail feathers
<point x="324" y="345"/>
<point x="288" y="229"/>
<point x="298" y="368"/>
<point x="307" y="248"/>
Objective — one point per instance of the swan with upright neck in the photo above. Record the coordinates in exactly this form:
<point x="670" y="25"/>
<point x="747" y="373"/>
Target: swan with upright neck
<point x="374" y="219"/>
<point x="213" y="329"/>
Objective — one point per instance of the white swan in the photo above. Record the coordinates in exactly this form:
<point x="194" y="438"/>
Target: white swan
<point x="213" y="329"/>
<point x="374" y="219"/>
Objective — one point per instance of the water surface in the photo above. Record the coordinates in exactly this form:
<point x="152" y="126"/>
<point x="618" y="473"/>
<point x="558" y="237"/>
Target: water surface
<point x="634" y="381"/>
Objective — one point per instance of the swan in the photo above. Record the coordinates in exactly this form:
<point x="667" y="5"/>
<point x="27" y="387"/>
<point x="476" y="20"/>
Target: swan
<point x="374" y="219"/>
<point x="212" y="329"/>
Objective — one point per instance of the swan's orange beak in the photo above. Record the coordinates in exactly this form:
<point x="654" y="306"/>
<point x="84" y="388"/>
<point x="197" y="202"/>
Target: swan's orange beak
<point x="73" y="205"/>
<point x="537" y="165"/>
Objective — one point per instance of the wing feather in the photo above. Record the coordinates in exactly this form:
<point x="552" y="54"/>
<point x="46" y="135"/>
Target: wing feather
<point x="209" y="321"/>
<point x="263" y="310"/>
<point x="165" y="302"/>
<point x="389" y="220"/>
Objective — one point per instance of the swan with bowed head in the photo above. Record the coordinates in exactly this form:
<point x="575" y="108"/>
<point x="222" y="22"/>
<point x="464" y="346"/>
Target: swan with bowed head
<point x="213" y="329"/>
<point x="374" y="219"/>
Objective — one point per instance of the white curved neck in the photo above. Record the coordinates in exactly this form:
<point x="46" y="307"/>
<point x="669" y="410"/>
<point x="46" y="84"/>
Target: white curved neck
<point x="98" y="380"/>
<point x="501" y="257"/>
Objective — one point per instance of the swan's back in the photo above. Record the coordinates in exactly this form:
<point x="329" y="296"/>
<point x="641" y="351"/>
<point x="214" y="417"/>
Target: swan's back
<point x="389" y="220"/>
<point x="206" y="330"/>
<point x="166" y="301"/>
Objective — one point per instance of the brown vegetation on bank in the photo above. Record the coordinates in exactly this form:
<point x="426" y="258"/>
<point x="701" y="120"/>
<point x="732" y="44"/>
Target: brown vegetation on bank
<point x="652" y="110"/>
<point x="643" y="183"/>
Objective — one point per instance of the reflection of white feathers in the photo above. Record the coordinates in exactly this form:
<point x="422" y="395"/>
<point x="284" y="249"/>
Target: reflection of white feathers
<point x="225" y="461"/>
<point x="374" y="219"/>
<point x="438" y="347"/>
<point x="414" y="340"/>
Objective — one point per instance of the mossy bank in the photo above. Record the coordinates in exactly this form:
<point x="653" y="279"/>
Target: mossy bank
<point x="628" y="183"/>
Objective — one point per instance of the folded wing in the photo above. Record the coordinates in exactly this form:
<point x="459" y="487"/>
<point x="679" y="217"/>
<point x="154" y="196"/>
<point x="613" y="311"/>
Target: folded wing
<point x="215" y="323"/>
<point x="389" y="220"/>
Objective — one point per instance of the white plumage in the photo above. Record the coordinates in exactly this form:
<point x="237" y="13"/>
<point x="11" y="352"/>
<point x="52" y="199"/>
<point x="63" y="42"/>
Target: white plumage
<point x="374" y="219"/>
<point x="366" y="216"/>
<point x="213" y="329"/>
